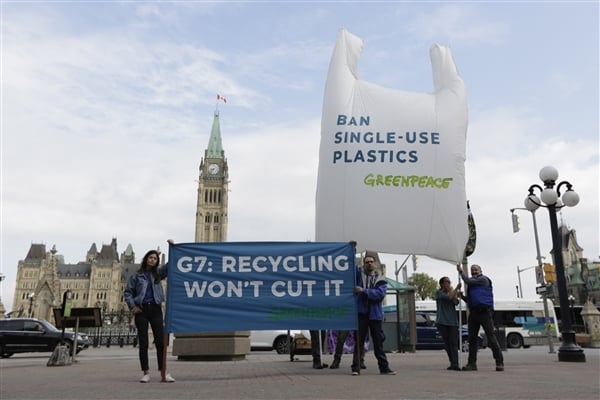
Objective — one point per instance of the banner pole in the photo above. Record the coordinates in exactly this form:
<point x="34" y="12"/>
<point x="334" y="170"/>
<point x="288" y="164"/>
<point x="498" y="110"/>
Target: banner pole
<point x="163" y="371"/>
<point x="460" y="344"/>
<point x="321" y="351"/>
<point x="357" y="350"/>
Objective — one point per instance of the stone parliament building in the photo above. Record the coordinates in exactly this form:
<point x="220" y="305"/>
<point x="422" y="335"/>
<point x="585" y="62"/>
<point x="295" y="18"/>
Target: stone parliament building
<point x="100" y="279"/>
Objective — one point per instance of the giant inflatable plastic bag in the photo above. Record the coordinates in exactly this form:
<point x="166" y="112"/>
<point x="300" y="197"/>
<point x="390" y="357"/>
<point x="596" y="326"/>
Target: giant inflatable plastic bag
<point x="391" y="162"/>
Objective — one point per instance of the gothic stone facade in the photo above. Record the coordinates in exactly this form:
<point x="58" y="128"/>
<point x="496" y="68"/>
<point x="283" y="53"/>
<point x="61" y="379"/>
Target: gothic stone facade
<point x="43" y="277"/>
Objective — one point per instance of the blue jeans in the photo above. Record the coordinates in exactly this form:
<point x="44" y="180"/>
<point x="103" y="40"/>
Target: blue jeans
<point x="375" y="329"/>
<point x="151" y="315"/>
<point x="450" y="336"/>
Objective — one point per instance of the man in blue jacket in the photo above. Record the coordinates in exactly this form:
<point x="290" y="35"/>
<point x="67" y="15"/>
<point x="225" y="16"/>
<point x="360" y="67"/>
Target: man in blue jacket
<point x="480" y="299"/>
<point x="371" y="288"/>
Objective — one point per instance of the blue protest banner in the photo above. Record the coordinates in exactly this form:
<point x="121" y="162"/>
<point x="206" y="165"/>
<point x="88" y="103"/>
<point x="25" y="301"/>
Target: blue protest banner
<point x="260" y="285"/>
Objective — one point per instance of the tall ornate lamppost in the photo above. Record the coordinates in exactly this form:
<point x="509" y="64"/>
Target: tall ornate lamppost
<point x="551" y="199"/>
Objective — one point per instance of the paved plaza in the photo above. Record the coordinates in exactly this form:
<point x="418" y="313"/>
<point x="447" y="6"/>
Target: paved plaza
<point x="113" y="373"/>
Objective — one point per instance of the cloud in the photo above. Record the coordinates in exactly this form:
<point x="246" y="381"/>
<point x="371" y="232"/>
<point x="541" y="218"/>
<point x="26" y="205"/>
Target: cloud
<point x="567" y="86"/>
<point x="269" y="201"/>
<point x="106" y="114"/>
<point x="458" y="24"/>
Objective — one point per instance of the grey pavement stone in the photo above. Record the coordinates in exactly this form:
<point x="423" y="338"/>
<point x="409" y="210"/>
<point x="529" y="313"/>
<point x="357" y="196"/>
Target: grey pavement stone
<point x="113" y="373"/>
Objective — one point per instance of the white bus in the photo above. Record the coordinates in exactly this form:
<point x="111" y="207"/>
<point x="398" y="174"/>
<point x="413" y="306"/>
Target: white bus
<point x="522" y="319"/>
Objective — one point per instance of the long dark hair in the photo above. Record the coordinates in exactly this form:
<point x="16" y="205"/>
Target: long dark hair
<point x="144" y="266"/>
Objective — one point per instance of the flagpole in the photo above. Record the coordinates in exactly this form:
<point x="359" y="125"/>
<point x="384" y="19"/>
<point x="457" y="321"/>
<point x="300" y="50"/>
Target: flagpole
<point x="469" y="249"/>
<point x="460" y="324"/>
<point x="163" y="371"/>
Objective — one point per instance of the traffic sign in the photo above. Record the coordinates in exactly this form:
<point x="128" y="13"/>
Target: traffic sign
<point x="540" y="289"/>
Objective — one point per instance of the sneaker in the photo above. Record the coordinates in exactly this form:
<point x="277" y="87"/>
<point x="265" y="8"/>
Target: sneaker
<point x="335" y="364"/>
<point x="362" y="365"/>
<point x="145" y="378"/>
<point x="470" y="367"/>
<point x="499" y="366"/>
<point x="388" y="372"/>
<point x="169" y="378"/>
<point x="453" y="368"/>
<point x="355" y="373"/>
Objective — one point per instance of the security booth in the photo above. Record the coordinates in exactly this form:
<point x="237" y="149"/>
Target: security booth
<point x="399" y="325"/>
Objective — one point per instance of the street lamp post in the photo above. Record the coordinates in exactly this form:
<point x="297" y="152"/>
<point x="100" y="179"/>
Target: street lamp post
<point x="401" y="268"/>
<point x="31" y="300"/>
<point x="550" y="197"/>
<point x="539" y="273"/>
<point x="571" y="305"/>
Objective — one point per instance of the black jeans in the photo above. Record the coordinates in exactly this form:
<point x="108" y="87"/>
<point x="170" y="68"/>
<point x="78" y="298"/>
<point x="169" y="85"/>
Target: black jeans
<point x="339" y="344"/>
<point x="151" y="315"/>
<point x="450" y="336"/>
<point x="482" y="317"/>
<point x="375" y="328"/>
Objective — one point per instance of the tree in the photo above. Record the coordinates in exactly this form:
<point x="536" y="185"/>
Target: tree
<point x="425" y="286"/>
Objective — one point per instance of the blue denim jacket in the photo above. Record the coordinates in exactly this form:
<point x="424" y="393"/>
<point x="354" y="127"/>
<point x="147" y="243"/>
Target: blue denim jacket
<point x="137" y="285"/>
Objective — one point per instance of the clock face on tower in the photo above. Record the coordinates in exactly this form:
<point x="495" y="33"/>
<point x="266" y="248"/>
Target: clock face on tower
<point x="213" y="169"/>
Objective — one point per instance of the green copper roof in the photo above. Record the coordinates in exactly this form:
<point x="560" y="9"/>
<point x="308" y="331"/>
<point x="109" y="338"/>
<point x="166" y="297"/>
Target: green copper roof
<point x="399" y="286"/>
<point x="215" y="148"/>
<point x="129" y="250"/>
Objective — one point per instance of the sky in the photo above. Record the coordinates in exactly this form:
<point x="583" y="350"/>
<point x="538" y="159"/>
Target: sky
<point x="106" y="110"/>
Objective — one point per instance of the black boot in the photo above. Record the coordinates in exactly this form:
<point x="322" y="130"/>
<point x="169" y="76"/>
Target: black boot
<point x="317" y="363"/>
<point x="336" y="363"/>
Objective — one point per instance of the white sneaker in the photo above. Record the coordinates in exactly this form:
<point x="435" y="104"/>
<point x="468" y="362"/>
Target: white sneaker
<point x="169" y="378"/>
<point x="145" y="378"/>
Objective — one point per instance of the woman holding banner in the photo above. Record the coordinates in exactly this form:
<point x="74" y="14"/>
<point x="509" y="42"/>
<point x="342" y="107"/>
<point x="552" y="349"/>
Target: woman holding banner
<point x="144" y="296"/>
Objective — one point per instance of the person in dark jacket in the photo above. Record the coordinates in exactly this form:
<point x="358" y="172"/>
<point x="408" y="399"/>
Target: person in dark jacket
<point x="144" y="296"/>
<point x="370" y="291"/>
<point x="480" y="299"/>
<point x="446" y="298"/>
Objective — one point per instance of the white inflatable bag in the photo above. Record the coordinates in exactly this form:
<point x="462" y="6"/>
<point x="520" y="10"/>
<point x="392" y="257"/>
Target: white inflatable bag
<point x="391" y="163"/>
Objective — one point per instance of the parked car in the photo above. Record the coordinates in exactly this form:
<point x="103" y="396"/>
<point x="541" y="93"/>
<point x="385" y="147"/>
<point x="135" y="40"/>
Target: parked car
<point x="83" y="341"/>
<point x="277" y="340"/>
<point x="428" y="337"/>
<point x="25" y="335"/>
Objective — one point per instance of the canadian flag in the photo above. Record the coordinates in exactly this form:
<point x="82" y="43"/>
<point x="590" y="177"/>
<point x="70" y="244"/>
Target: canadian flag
<point x="219" y="97"/>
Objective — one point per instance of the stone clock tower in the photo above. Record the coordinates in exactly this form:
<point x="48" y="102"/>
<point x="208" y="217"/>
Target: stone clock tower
<point x="211" y="226"/>
<point x="211" y="208"/>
